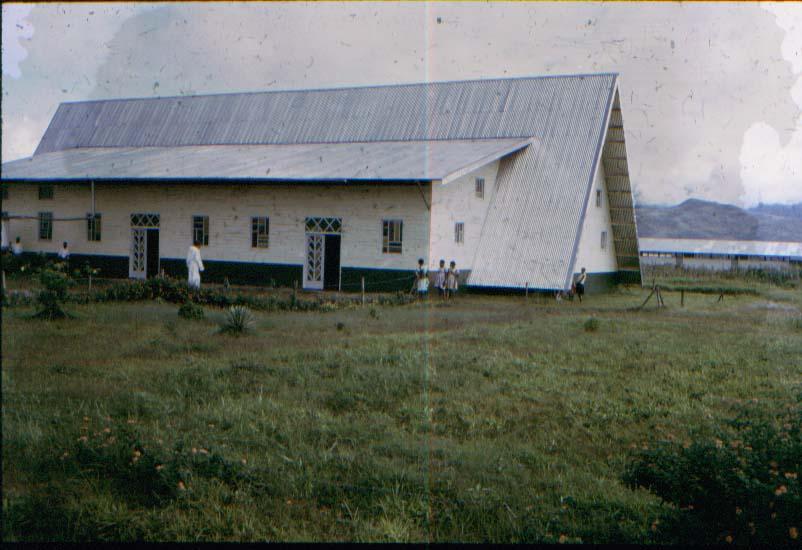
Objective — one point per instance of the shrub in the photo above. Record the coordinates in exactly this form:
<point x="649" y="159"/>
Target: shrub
<point x="743" y="488"/>
<point x="50" y="299"/>
<point x="190" y="310"/>
<point x="591" y="325"/>
<point x="239" y="320"/>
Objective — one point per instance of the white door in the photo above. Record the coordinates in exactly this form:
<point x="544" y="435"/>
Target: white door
<point x="139" y="254"/>
<point x="313" y="266"/>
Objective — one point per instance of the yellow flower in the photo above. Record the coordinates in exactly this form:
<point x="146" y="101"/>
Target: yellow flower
<point x="562" y="539"/>
<point x="244" y="461"/>
<point x="86" y="419"/>
<point x="83" y="438"/>
<point x="719" y="443"/>
<point x="203" y="451"/>
<point x="781" y="490"/>
<point x="107" y="430"/>
<point x="159" y="467"/>
<point x="793" y="533"/>
<point x="181" y="486"/>
<point x="728" y="538"/>
<point x="790" y="475"/>
<point x="738" y="510"/>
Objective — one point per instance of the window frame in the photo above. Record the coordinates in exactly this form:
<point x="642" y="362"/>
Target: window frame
<point x="94" y="227"/>
<point x="204" y="220"/>
<point x="479" y="188"/>
<point x="45" y="218"/>
<point x="604" y="240"/>
<point x="459" y="232"/>
<point x="389" y="227"/>
<point x="598" y="198"/>
<point x="255" y="231"/>
<point x="45" y="191"/>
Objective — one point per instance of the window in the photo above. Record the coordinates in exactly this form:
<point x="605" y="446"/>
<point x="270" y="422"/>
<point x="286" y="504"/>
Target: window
<point x="604" y="240"/>
<point x="45" y="191"/>
<point x="260" y="232"/>
<point x="392" y="236"/>
<point x="480" y="188"/>
<point x="200" y="230"/>
<point x="93" y="227"/>
<point x="459" y="232"/>
<point x="46" y="226"/>
<point x="598" y="198"/>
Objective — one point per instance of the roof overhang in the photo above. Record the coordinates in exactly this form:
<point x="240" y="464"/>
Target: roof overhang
<point x="383" y="161"/>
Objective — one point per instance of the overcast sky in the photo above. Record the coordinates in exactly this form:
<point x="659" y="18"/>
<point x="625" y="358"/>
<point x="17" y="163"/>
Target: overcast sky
<point x="711" y="93"/>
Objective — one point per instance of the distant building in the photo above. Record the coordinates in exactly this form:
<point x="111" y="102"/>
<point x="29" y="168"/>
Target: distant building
<point x="720" y="255"/>
<point x="521" y="181"/>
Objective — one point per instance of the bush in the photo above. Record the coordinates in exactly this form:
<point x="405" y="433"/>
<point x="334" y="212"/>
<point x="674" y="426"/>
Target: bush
<point x="190" y="310"/>
<point x="51" y="298"/>
<point x="591" y="325"/>
<point x="239" y="320"/>
<point x="743" y="488"/>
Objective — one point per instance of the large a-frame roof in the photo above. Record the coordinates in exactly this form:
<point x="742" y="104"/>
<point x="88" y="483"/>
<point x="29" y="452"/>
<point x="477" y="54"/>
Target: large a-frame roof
<point x="534" y="219"/>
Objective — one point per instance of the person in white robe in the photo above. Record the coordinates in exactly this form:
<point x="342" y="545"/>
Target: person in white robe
<point x="64" y="253"/>
<point x="194" y="265"/>
<point x="16" y="248"/>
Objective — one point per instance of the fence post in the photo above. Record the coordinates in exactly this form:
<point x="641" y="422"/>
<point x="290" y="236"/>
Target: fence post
<point x="363" y="291"/>
<point x="526" y="291"/>
<point x="4" y="280"/>
<point x="682" y="297"/>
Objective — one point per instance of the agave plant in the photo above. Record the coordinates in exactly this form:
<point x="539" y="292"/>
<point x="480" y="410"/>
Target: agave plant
<point x="239" y="320"/>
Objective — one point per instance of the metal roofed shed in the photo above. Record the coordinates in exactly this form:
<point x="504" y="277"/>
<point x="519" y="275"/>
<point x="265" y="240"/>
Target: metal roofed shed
<point x="792" y="250"/>
<point x="556" y="139"/>
<point x="370" y="161"/>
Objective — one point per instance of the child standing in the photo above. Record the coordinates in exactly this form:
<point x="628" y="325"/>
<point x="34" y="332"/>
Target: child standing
<point x="440" y="279"/>
<point x="452" y="279"/>
<point x="422" y="280"/>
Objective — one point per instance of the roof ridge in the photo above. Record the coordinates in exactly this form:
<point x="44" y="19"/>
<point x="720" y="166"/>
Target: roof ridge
<point x="341" y="88"/>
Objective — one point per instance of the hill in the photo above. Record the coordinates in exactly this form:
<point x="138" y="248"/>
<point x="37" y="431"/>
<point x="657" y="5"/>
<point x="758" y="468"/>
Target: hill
<point x="698" y="219"/>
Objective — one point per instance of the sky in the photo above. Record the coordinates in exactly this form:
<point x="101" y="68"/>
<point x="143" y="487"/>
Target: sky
<point x="711" y="92"/>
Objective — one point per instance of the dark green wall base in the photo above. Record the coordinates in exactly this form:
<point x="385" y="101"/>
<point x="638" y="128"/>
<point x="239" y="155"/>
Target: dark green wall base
<point x="238" y="273"/>
<point x="628" y="278"/>
<point x="110" y="266"/>
<point x="377" y="280"/>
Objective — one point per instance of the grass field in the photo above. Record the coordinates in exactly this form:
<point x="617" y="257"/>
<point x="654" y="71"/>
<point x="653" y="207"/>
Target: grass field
<point x="486" y="419"/>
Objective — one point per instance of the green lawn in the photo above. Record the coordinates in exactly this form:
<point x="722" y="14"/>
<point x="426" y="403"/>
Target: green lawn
<point x="487" y="419"/>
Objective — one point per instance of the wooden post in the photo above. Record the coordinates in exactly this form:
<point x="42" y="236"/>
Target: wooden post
<point x="90" y="281"/>
<point x="4" y="280"/>
<point x="646" y="300"/>
<point x="682" y="297"/>
<point x="363" y="291"/>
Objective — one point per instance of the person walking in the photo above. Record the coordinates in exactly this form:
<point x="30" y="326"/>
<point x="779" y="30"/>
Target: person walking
<point x="194" y="265"/>
<point x="440" y="279"/>
<point x="452" y="279"/>
<point x="580" y="284"/>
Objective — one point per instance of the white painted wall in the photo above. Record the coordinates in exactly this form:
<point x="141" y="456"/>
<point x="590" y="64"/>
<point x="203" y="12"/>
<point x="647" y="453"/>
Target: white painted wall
<point x="454" y="202"/>
<point x="589" y="254"/>
<point x="230" y="209"/>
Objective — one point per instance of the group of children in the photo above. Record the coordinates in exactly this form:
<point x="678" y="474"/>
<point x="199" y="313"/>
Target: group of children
<point x="446" y="280"/>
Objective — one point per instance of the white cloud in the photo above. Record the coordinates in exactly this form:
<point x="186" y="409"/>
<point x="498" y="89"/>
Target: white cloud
<point x="15" y="29"/>
<point x="770" y="171"/>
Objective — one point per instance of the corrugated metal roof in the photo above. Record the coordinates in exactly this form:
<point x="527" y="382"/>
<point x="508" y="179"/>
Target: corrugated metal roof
<point x="536" y="210"/>
<point x="705" y="246"/>
<point x="374" y="161"/>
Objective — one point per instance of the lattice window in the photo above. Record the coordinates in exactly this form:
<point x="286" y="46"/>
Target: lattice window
<point x="314" y="258"/>
<point x="200" y="230"/>
<point x="392" y="236"/>
<point x="45" y="226"/>
<point x="144" y="220"/>
<point x="45" y="191"/>
<point x="459" y="232"/>
<point x="260" y="232"/>
<point x="93" y="227"/>
<point x="138" y="252"/>
<point x="324" y="225"/>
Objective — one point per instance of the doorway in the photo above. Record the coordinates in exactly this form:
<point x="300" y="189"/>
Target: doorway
<point x="331" y="263"/>
<point x="144" y="258"/>
<point x="152" y="258"/>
